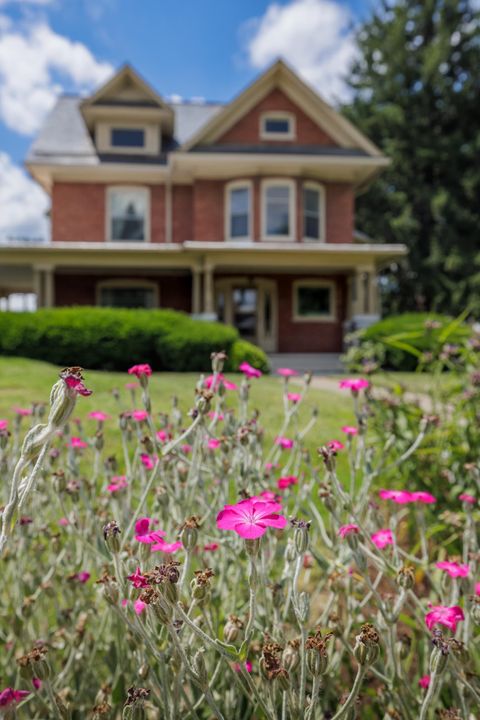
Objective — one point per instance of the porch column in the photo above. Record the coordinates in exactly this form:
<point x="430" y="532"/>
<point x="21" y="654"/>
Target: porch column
<point x="43" y="281"/>
<point x="208" y="300"/>
<point x="196" y="290"/>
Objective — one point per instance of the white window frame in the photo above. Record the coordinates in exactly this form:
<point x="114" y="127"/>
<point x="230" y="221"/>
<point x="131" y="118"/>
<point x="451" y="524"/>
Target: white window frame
<point x="238" y="185"/>
<point x="276" y="182"/>
<point x="127" y="283"/>
<point x="110" y="190"/>
<point x="278" y="115"/>
<point x="330" y="284"/>
<point x="152" y="137"/>
<point x="310" y="185"/>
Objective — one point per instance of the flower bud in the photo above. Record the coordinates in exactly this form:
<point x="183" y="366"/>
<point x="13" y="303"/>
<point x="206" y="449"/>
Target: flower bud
<point x="291" y="655"/>
<point x="252" y="547"/>
<point x="189" y="536"/>
<point x="283" y="679"/>
<point x="303" y="607"/>
<point x="290" y="551"/>
<point x="111" y="532"/>
<point x="438" y="661"/>
<point x="198" y="664"/>
<point x="406" y="577"/>
<point x="300" y="538"/>
<point x="232" y="629"/>
<point x="218" y="361"/>
<point x="317" y="663"/>
<point x="143" y="671"/>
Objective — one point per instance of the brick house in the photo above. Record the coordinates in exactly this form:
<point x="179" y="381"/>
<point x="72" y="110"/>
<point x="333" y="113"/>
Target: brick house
<point x="243" y="211"/>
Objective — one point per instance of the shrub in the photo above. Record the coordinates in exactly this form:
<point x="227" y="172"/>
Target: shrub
<point x="103" y="338"/>
<point x="405" y="342"/>
<point x="243" y="350"/>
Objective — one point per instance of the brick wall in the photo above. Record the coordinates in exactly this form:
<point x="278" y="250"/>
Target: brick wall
<point x="182" y="215"/>
<point x="208" y="213"/>
<point x="247" y="129"/>
<point x="340" y="213"/>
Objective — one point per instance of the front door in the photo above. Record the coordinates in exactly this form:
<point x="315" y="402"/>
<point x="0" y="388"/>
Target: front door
<point x="250" y="305"/>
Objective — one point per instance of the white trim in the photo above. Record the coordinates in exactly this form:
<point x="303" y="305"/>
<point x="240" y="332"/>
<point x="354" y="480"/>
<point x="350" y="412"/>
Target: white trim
<point x="331" y="317"/>
<point x="151" y="137"/>
<point x="278" y="115"/>
<point x="127" y="283"/>
<point x="108" y="225"/>
<point x="322" y="210"/>
<point x="238" y="185"/>
<point x="277" y="182"/>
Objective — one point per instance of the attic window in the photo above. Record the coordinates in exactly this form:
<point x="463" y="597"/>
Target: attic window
<point x="127" y="137"/>
<point x="277" y="126"/>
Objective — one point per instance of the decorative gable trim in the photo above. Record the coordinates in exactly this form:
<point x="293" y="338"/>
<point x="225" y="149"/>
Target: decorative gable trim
<point x="281" y="75"/>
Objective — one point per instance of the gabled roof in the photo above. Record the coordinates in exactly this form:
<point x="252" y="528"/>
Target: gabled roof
<point x="126" y="82"/>
<point x="280" y="75"/>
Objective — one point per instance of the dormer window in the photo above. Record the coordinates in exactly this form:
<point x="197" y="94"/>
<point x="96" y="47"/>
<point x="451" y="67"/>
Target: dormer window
<point x="127" y="137"/>
<point x="277" y="126"/>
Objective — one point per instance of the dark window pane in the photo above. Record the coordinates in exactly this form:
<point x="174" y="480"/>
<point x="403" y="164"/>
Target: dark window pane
<point x="239" y="201"/>
<point x="239" y="226"/>
<point x="311" y="200"/>
<point x="245" y="311"/>
<point x="127" y="137"/>
<point x="127" y="297"/>
<point x="311" y="227"/>
<point x="313" y="301"/>
<point x="277" y="125"/>
<point x="239" y="212"/>
<point x="127" y="228"/>
<point x="278" y="210"/>
<point x="128" y="213"/>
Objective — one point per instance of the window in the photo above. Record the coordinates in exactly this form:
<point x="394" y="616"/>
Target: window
<point x="278" y="210"/>
<point x="238" y="211"/>
<point x="313" y="212"/>
<point x="313" y="300"/>
<point x="127" y="294"/>
<point x="127" y="137"/>
<point x="277" y="126"/>
<point x="128" y="214"/>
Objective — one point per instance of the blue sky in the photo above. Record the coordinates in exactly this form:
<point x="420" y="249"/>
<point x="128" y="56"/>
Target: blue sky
<point x="189" y="48"/>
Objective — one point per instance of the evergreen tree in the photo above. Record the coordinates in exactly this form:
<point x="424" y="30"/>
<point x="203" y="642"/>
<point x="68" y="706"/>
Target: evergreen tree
<point x="416" y="93"/>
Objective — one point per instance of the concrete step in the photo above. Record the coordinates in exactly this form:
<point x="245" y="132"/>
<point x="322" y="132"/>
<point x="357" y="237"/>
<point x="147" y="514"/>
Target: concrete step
<point x="318" y="363"/>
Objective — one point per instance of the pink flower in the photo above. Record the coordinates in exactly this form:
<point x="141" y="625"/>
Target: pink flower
<point x="137" y="579"/>
<point x="37" y="683"/>
<point x="354" y="384"/>
<point x="424" y="681"/>
<point x="284" y="442"/>
<point x="186" y="448"/>
<point x="163" y="435"/>
<point x="119" y="482"/>
<point x="3" y="424"/>
<point x="382" y="538"/>
<point x="453" y="569"/>
<point x="139" y="606"/>
<point x="443" y="615"/>
<point x="211" y="547"/>
<point x="139" y="415"/>
<point x="213" y="443"/>
<point x="294" y="397"/>
<point x="73" y="379"/>
<point x="9" y="696"/>
<point x="349" y="430"/>
<point x="131" y="386"/>
<point x="335" y="445"/>
<point x="63" y="522"/>
<point x="477" y="588"/>
<point x="350" y="529"/>
<point x="269" y="496"/>
<point x="465" y="497"/>
<point x="98" y="415"/>
<point x="148" y="461"/>
<point x="216" y="415"/>
<point x="249" y="371"/>
<point x="286" y="481"/>
<point x="140" y="370"/>
<point x="399" y="496"/>
<point x="165" y="547"/>
<point x="287" y="372"/>
<point x="82" y="577"/>
<point x="250" y="518"/>
<point x="78" y="443"/>
<point x="209" y="381"/>
<point x="23" y="412"/>
<point x="248" y="666"/>
<point x="144" y="532"/>
<point x="423" y="497"/>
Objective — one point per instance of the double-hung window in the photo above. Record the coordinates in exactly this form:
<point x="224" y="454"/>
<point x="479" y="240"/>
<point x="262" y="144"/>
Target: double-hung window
<point x="278" y="210"/>
<point x="238" y="211"/>
<point x="128" y="214"/>
<point x="313" y="212"/>
<point x="313" y="300"/>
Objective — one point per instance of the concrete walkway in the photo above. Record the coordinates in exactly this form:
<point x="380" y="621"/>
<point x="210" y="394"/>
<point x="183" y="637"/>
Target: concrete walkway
<point x="317" y="363"/>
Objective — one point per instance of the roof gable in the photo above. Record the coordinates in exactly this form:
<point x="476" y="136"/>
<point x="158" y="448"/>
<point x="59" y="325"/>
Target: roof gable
<point x="126" y="87"/>
<point x="279" y="76"/>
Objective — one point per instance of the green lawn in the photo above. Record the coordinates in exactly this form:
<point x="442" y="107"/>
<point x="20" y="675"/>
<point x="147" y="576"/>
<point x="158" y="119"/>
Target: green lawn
<point x="24" y="381"/>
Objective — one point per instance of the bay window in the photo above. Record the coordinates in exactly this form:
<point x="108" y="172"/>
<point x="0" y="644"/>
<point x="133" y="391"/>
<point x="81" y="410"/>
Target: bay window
<point x="278" y="210"/>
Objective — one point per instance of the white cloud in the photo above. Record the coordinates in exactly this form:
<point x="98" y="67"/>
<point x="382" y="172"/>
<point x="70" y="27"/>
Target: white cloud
<point x="314" y="36"/>
<point x="23" y="203"/>
<point x="36" y="64"/>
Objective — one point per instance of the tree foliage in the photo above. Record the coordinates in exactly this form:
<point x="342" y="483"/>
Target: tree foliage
<point x="416" y="93"/>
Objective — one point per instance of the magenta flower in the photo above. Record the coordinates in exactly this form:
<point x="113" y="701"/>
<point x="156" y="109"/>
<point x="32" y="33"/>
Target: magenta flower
<point x="63" y="522"/>
<point x="148" y="461"/>
<point x="216" y="415"/>
<point x="165" y="547"/>
<point x="37" y="683"/>
<point x="443" y="615"/>
<point x="119" y="482"/>
<point x="465" y="497"/>
<point x="139" y="606"/>
<point x="23" y="412"/>
<point x="350" y="529"/>
<point x="73" y="379"/>
<point x="286" y="481"/>
<point x="3" y="424"/>
<point x="249" y="371"/>
<point x="78" y="443"/>
<point x="423" y="497"/>
<point x="82" y="577"/>
<point x="453" y="568"/>
<point x="354" y="384"/>
<point x="140" y="370"/>
<point x="269" y="496"/>
<point x="144" y="532"/>
<point x="335" y="445"/>
<point x="209" y="382"/>
<point x="294" y="397"/>
<point x="284" y="442"/>
<point x="382" y="538"/>
<point x="139" y="415"/>
<point x="287" y="372"/>
<point x="250" y="518"/>
<point x="248" y="666"/>
<point x="131" y="386"/>
<point x="477" y="588"/>
<point x="349" y="430"/>
<point x="98" y="415"/>
<point x="424" y="681"/>
<point x="399" y="496"/>
<point x="213" y="443"/>
<point x="9" y="696"/>
<point x="211" y="547"/>
<point x="163" y="435"/>
<point x="137" y="579"/>
<point x="186" y="448"/>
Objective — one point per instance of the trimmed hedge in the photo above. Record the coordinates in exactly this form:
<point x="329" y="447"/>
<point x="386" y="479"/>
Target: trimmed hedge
<point x="115" y="339"/>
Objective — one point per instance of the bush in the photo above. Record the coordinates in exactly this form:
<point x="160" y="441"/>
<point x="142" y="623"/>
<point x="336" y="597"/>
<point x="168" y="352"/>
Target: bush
<point x="243" y="350"/>
<point x="112" y="339"/>
<point x="405" y="342"/>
